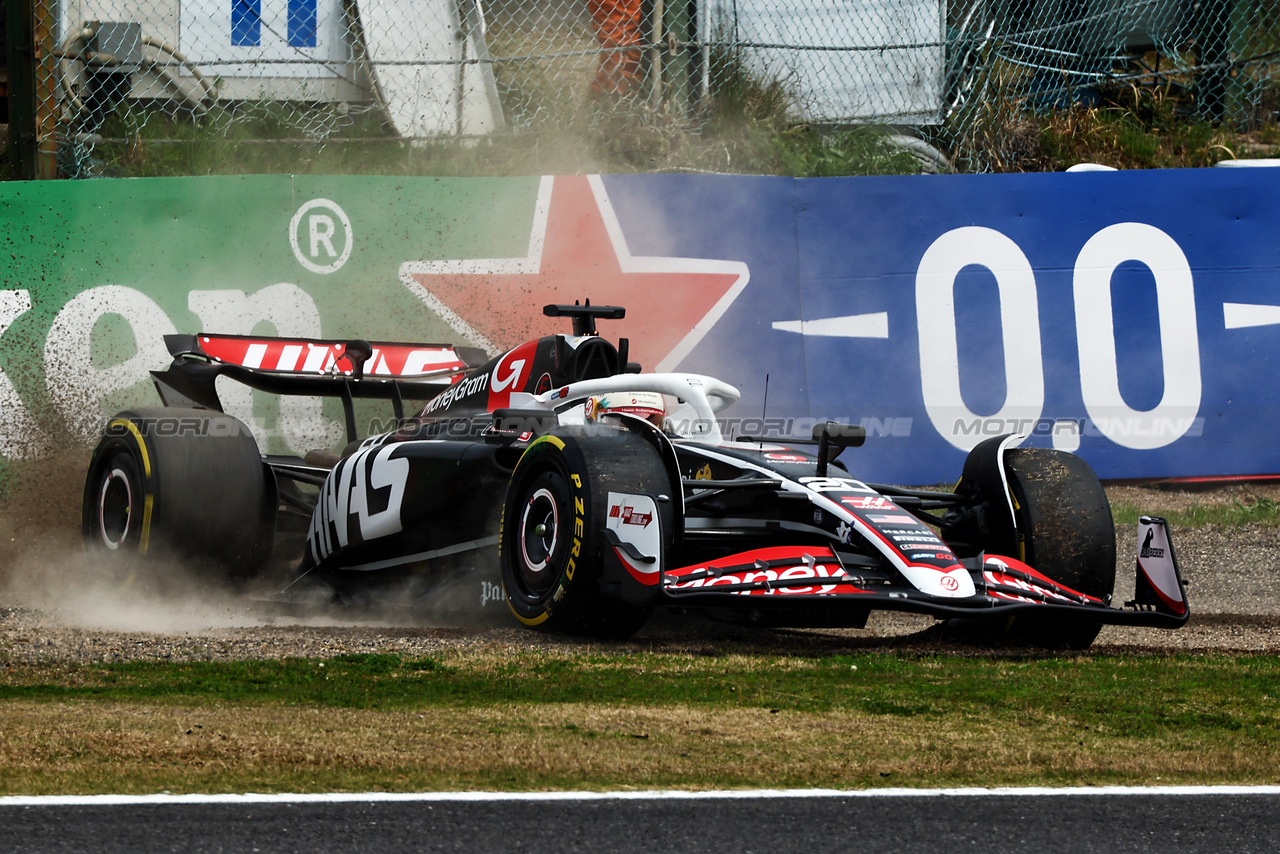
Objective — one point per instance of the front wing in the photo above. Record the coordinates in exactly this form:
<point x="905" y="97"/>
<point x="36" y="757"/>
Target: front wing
<point x="799" y="576"/>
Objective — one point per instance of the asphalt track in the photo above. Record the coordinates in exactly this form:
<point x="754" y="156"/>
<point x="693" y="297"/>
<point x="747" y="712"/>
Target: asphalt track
<point x="1221" y="819"/>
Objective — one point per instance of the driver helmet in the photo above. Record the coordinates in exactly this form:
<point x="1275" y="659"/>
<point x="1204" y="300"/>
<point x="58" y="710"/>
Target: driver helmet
<point x="648" y="405"/>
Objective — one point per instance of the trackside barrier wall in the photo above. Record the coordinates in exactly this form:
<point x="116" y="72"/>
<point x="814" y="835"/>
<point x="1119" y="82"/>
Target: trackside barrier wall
<point x="1133" y="317"/>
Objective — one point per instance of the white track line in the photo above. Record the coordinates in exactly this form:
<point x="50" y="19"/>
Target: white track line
<point x="669" y="795"/>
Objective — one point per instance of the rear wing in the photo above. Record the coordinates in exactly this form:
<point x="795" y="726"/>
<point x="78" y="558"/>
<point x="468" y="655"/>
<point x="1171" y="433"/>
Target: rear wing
<point x="309" y="366"/>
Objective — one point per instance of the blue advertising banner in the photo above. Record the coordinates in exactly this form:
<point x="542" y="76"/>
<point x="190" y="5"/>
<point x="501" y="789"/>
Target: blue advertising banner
<point x="1132" y="317"/>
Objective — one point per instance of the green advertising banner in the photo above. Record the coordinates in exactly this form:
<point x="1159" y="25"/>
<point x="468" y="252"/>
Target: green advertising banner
<point x="99" y="271"/>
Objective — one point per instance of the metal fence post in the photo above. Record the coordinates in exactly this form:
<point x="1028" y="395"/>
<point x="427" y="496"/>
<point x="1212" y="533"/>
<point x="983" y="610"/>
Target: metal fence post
<point x="678" y="21"/>
<point x="1240" y="13"/>
<point x="655" y="54"/>
<point x="43" y="21"/>
<point x="22" y="117"/>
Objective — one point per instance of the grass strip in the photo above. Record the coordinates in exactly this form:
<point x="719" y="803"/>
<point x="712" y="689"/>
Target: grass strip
<point x="554" y="721"/>
<point x="1263" y="511"/>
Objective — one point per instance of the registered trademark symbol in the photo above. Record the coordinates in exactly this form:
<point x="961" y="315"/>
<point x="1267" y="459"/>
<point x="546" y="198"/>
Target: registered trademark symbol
<point x="321" y="237"/>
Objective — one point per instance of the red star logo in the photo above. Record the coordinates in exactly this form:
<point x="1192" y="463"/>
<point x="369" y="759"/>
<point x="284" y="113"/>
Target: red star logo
<point x="577" y="251"/>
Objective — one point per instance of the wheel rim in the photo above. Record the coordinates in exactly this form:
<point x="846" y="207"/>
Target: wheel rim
<point x="115" y="509"/>
<point x="539" y="536"/>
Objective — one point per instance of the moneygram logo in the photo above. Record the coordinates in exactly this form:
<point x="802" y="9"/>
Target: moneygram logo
<point x="321" y="236"/>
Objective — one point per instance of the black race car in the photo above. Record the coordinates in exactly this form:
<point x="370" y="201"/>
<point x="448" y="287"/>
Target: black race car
<point x="560" y="482"/>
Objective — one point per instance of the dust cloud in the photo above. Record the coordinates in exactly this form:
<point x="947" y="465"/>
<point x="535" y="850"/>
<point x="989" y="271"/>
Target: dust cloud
<point x="82" y="590"/>
<point x="44" y="567"/>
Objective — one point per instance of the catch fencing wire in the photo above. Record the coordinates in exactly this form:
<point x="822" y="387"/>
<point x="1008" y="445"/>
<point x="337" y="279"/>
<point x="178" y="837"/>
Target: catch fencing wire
<point x="129" y="73"/>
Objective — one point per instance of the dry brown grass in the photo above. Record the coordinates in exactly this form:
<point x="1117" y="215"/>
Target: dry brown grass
<point x="111" y="747"/>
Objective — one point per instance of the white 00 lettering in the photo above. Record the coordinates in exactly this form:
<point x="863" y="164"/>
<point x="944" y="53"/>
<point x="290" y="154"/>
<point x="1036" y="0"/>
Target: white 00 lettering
<point x="1019" y="328"/>
<point x="1095" y="335"/>
<point x="1095" y="332"/>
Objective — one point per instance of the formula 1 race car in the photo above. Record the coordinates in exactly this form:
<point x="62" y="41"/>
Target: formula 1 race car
<point x="559" y="482"/>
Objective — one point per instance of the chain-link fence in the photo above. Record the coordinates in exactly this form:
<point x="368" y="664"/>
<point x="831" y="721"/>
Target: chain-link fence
<point x="323" y="72"/>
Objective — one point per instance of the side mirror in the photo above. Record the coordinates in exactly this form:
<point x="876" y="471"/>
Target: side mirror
<point x="831" y="435"/>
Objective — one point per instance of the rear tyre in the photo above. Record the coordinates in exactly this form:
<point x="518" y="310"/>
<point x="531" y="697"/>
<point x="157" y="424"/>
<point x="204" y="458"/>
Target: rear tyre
<point x="167" y="484"/>
<point x="1066" y="532"/>
<point x="552" y="545"/>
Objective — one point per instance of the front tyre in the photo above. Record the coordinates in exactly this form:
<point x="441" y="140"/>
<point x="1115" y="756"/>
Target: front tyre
<point x="553" y="546"/>
<point x="1064" y="519"/>
<point x="543" y="536"/>
<point x="1065" y="531"/>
